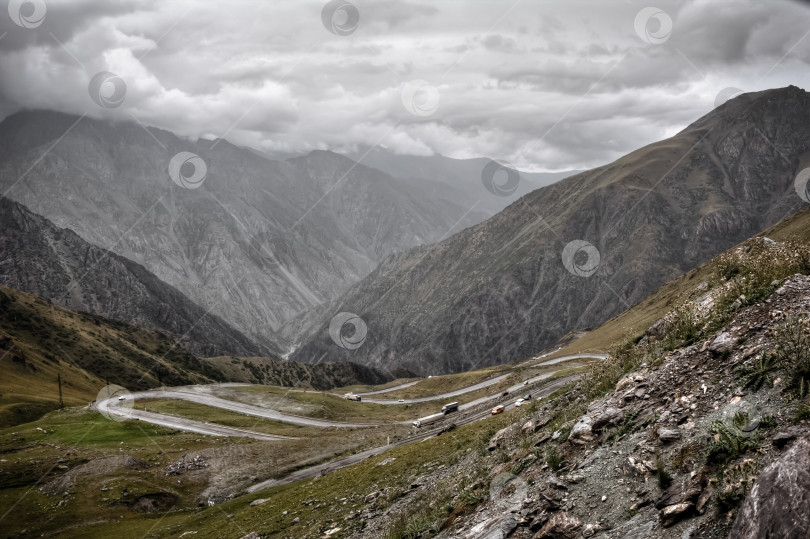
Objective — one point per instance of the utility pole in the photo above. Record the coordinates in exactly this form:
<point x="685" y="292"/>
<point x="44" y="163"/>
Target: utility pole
<point x="59" y="381"/>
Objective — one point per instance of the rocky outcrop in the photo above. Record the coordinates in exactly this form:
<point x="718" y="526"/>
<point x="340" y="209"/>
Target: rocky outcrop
<point x="779" y="503"/>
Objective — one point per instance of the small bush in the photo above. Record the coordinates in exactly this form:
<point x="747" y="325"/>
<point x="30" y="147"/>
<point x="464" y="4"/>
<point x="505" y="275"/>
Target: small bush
<point x="554" y="460"/>
<point x="759" y="372"/>
<point x="661" y="473"/>
<point x="734" y="485"/>
<point x="729" y="443"/>
<point x="793" y="353"/>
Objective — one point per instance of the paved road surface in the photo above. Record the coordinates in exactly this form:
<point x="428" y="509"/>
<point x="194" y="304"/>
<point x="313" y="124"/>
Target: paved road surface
<point x="489" y="382"/>
<point x="390" y="389"/>
<point x="247" y="409"/>
<point x="448" y="395"/>
<point x="113" y="407"/>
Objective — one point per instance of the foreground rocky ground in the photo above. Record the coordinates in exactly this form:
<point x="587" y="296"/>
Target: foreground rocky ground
<point x="708" y="440"/>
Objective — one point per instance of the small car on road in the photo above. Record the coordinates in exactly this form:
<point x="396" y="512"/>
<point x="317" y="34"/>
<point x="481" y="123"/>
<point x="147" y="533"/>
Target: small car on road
<point x="498" y="409"/>
<point x="519" y="402"/>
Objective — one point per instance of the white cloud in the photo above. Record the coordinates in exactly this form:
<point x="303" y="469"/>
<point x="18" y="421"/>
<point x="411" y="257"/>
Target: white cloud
<point x="546" y="86"/>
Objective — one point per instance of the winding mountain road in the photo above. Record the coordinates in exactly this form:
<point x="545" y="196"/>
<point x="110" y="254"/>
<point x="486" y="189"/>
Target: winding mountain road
<point x="118" y="410"/>
<point x="125" y="409"/>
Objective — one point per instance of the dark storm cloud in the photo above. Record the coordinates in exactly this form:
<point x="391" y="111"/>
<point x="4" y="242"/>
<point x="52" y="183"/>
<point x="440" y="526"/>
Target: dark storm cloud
<point x="544" y="85"/>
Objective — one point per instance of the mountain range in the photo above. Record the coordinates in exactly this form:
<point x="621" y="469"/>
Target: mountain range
<point x="576" y="253"/>
<point x="258" y="240"/>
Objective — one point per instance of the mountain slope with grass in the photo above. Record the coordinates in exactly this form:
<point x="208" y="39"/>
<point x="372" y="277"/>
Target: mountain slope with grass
<point x="40" y="340"/>
<point x="500" y="290"/>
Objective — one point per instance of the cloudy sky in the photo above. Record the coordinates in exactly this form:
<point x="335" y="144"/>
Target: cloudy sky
<point x="546" y="85"/>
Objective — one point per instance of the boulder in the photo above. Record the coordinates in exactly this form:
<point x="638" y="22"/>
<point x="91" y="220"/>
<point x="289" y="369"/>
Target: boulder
<point x="686" y="492"/>
<point x="784" y="437"/>
<point x="609" y="417"/>
<point x="372" y="496"/>
<point x="494" y="528"/>
<point x="495" y="441"/>
<point x="779" y="503"/>
<point x="668" y="435"/>
<point x="722" y="342"/>
<point x="674" y="513"/>
<point x="581" y="432"/>
<point x="561" y="526"/>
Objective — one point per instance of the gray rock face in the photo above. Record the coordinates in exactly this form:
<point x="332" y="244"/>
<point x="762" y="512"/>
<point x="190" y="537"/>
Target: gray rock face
<point x="41" y="259"/>
<point x="560" y="526"/>
<point x="779" y="503"/>
<point x="500" y="290"/>
<point x="668" y="435"/>
<point x="581" y="432"/>
<point x="610" y="416"/>
<point x="722" y="342"/>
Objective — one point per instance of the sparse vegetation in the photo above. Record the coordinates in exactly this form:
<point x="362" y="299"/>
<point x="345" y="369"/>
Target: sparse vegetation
<point x="758" y="372"/>
<point x="662" y="475"/>
<point x="793" y="352"/>
<point x="554" y="459"/>
<point x="729" y="441"/>
<point x="734" y="484"/>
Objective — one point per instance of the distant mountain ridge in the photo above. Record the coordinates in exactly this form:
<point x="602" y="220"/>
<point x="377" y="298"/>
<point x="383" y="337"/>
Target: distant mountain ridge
<point x="500" y="290"/>
<point x="56" y="264"/>
<point x="469" y="177"/>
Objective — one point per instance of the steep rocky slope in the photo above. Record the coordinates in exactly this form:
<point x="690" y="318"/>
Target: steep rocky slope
<point x="515" y="284"/>
<point x="257" y="242"/>
<point x="699" y="427"/>
<point x="56" y="264"/>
